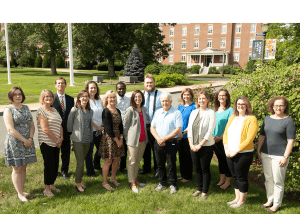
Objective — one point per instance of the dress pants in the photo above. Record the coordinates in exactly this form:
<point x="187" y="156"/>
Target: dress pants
<point x="89" y="158"/>
<point x="124" y="158"/>
<point x="65" y="153"/>
<point x="220" y="153"/>
<point x="185" y="159"/>
<point x="147" y="153"/>
<point x="80" y="150"/>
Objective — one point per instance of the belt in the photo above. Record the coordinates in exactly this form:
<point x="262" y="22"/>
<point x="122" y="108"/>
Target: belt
<point x="172" y="139"/>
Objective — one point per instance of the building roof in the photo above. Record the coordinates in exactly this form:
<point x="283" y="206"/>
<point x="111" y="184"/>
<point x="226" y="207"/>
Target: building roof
<point x="208" y="51"/>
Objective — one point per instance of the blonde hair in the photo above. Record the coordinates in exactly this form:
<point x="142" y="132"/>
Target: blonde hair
<point x="105" y="101"/>
<point x="43" y="94"/>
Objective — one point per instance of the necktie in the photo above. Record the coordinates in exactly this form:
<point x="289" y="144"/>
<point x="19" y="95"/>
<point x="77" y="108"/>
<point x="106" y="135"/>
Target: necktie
<point x="62" y="104"/>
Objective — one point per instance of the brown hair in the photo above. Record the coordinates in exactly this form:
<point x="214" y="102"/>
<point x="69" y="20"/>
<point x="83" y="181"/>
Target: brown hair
<point x="150" y="76"/>
<point x="98" y="90"/>
<point x="186" y="90"/>
<point x="207" y="97"/>
<point x="217" y="102"/>
<point x="11" y="94"/>
<point x="248" y="106"/>
<point x="78" y="102"/>
<point x="132" y="102"/>
<point x="61" y="78"/>
<point x="43" y="94"/>
<point x="272" y="101"/>
<point x="105" y="102"/>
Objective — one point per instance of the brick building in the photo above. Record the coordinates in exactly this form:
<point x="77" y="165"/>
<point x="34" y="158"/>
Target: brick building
<point x="208" y="44"/>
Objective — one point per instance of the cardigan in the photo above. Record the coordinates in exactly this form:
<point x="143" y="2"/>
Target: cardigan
<point x="248" y="133"/>
<point x="132" y="125"/>
<point x="207" y="126"/>
<point x="107" y="121"/>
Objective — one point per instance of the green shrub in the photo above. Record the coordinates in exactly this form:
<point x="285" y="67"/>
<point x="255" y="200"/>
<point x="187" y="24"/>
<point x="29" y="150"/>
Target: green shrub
<point x="270" y="80"/>
<point x="4" y="63"/>
<point x="180" y="63"/>
<point x="180" y="67"/>
<point x="38" y="62"/>
<point x="103" y="66"/>
<point x="212" y="70"/>
<point x="121" y="73"/>
<point x="46" y="61"/>
<point x="59" y="61"/>
<point x="236" y="70"/>
<point x="118" y="66"/>
<point x="13" y="63"/>
<point x="227" y="69"/>
<point x="171" y="69"/>
<point x="153" y="69"/>
<point x="250" y="66"/>
<point x="163" y="80"/>
<point x="195" y="69"/>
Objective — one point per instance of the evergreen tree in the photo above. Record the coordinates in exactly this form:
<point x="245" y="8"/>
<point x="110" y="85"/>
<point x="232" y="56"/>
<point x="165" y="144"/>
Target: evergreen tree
<point x="134" y="64"/>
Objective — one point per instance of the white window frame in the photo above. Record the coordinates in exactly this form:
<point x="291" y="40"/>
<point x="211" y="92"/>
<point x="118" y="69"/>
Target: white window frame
<point x="171" y="32"/>
<point x="197" y="30"/>
<point x="183" y="43"/>
<point x="253" y="28"/>
<point x="210" y="29"/>
<point x="209" y="41"/>
<point x="184" y="30"/>
<point x="224" y="46"/>
<point x="236" y="57"/>
<point x="183" y="57"/>
<point x="196" y="43"/>
<point x="224" y="29"/>
<point x="237" y="42"/>
<point x="196" y="58"/>
<point x="171" y="57"/>
<point x="171" y="42"/>
<point x="251" y="41"/>
<point x="238" y="28"/>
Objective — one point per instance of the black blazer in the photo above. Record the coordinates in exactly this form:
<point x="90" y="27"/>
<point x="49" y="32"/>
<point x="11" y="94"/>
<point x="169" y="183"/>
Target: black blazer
<point x="69" y="105"/>
<point x="108" y="122"/>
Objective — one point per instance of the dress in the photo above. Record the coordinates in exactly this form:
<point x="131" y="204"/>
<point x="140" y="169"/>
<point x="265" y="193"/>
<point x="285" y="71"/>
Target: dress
<point x="15" y="152"/>
<point x="108" y="147"/>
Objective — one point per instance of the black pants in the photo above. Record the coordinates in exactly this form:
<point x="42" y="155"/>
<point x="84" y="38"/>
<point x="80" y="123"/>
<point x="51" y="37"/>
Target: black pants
<point x="124" y="158"/>
<point x="65" y="153"/>
<point x="239" y="166"/>
<point x="201" y="160"/>
<point x="185" y="159"/>
<point x="164" y="154"/>
<point x="51" y="162"/>
<point x="220" y="153"/>
<point x="89" y="158"/>
<point x="147" y="153"/>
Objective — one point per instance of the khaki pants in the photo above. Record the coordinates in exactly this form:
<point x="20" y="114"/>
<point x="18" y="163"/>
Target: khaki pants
<point x="135" y="156"/>
<point x="80" y="150"/>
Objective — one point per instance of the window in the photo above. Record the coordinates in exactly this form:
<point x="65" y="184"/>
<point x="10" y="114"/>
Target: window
<point x="171" y="44"/>
<point x="160" y="30"/>
<point x="16" y="53"/>
<point x="171" y="31"/>
<point x="224" y="28"/>
<point x="182" y="57"/>
<point x="183" y="44"/>
<point x="238" y="28"/>
<point x="197" y="30"/>
<point x="210" y="29"/>
<point x="251" y="42"/>
<point x="196" y="43"/>
<point x="223" y="43"/>
<point x="196" y="58"/>
<point x="237" y="43"/>
<point x="236" y="57"/>
<point x="184" y="29"/>
<point x="253" y="27"/>
<point x="209" y="43"/>
<point x="221" y="58"/>
<point x="170" y="57"/>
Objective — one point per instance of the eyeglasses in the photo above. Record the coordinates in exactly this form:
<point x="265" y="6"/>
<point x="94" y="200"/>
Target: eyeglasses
<point x="241" y="104"/>
<point x="85" y="97"/>
<point x="279" y="106"/>
<point x="48" y="97"/>
<point x="18" y="95"/>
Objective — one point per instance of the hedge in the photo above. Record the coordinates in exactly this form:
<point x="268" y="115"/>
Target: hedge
<point x="163" y="80"/>
<point x="103" y="66"/>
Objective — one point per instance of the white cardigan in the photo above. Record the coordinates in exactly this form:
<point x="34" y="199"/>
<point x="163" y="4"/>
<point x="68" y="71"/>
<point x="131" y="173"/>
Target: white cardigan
<point x="207" y="126"/>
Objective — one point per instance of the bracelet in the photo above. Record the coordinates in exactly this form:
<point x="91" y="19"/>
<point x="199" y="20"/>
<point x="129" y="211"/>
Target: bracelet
<point x="285" y="157"/>
<point x="121" y="136"/>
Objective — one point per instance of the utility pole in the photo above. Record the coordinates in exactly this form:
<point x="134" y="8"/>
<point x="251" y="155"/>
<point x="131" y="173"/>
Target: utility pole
<point x="70" y="54"/>
<point x="7" y="54"/>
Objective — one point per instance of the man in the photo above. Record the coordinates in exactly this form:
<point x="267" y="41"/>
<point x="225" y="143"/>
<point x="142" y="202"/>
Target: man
<point x="63" y="104"/>
<point x="165" y="128"/>
<point x="123" y="103"/>
<point x="152" y="103"/>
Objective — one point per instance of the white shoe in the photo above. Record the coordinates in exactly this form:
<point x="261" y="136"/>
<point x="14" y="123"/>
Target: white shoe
<point x="142" y="184"/>
<point x="135" y="190"/>
<point x="173" y="189"/>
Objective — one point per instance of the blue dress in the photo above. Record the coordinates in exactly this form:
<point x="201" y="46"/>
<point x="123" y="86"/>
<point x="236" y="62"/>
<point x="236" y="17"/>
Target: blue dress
<point x="15" y="152"/>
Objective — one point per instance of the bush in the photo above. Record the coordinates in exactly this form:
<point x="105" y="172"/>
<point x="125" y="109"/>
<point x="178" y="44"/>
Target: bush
<point x="180" y="67"/>
<point x="13" y="63"/>
<point x="270" y="80"/>
<point x="195" y="69"/>
<point x="153" y="69"/>
<point x="212" y="70"/>
<point x="171" y="69"/>
<point x="250" y="66"/>
<point x="227" y="69"/>
<point x="236" y="70"/>
<point x="103" y="66"/>
<point x="180" y="63"/>
<point x="121" y="73"/>
<point x="59" y="61"/>
<point x="163" y="80"/>
<point x="46" y="61"/>
<point x="4" y="63"/>
<point x="38" y="62"/>
<point x="118" y="66"/>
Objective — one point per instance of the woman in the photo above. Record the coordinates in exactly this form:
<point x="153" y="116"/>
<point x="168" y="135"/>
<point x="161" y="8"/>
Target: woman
<point x="239" y="134"/>
<point x="135" y="120"/>
<point x="111" y="145"/>
<point x="18" y="146"/>
<point x="200" y="135"/>
<point x="50" y="138"/>
<point x="185" y="160"/>
<point x="80" y="123"/>
<point x="96" y="105"/>
<point x="223" y="111"/>
<point x="275" y="143"/>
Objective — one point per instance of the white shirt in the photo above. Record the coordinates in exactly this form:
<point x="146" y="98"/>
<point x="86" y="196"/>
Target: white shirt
<point x="64" y="98"/>
<point x="97" y="115"/>
<point x="122" y="104"/>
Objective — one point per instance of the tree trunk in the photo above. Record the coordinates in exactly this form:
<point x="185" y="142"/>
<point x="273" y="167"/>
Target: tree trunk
<point x="21" y="61"/>
<point x="111" y="68"/>
<point x="52" y="63"/>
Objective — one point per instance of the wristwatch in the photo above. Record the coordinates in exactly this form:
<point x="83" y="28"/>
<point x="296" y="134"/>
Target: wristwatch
<point x="285" y="157"/>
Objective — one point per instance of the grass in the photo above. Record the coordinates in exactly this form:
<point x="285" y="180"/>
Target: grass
<point x="97" y="200"/>
<point x="226" y="76"/>
<point x="33" y="81"/>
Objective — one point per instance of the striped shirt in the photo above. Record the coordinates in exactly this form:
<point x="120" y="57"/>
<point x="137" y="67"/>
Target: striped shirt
<point x="54" y="124"/>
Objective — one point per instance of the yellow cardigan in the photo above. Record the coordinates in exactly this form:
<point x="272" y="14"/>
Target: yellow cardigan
<point x="249" y="131"/>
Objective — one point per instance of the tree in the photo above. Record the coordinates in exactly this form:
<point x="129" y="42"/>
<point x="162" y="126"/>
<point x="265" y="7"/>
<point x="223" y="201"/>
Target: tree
<point x="134" y="65"/>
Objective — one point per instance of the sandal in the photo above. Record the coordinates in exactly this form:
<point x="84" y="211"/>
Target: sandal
<point x="108" y="187"/>
<point x="55" y="189"/>
<point x="26" y="193"/>
<point x="115" y="182"/>
<point x="83" y="186"/>
<point x="184" y="180"/>
<point x="49" y="194"/>
<point x="195" y="194"/>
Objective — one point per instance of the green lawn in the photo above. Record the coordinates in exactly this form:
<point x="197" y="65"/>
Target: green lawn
<point x="33" y="81"/>
<point x="98" y="200"/>
<point x="226" y="76"/>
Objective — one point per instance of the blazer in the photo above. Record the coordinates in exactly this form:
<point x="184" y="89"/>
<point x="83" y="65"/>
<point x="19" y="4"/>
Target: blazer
<point x="108" y="123"/>
<point x="69" y="105"/>
<point x="75" y="124"/>
<point x="249" y="131"/>
<point x="132" y="125"/>
<point x="207" y="126"/>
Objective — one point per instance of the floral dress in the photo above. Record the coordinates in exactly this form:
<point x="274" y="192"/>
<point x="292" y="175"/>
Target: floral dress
<point x="15" y="152"/>
<point x="108" y="147"/>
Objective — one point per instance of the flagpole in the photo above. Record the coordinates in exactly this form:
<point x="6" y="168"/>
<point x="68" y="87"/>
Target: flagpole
<point x="7" y="54"/>
<point x="70" y="54"/>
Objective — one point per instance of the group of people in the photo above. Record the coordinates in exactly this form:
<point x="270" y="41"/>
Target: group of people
<point x="117" y="125"/>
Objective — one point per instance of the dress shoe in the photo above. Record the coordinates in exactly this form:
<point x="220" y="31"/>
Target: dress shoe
<point x="156" y="174"/>
<point x="237" y="205"/>
<point x="143" y="172"/>
<point x="65" y="176"/>
<point x="266" y="206"/>
<point x="269" y="210"/>
<point x="91" y="176"/>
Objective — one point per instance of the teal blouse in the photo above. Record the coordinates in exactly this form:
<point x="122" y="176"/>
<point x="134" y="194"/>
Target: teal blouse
<point x="221" y="121"/>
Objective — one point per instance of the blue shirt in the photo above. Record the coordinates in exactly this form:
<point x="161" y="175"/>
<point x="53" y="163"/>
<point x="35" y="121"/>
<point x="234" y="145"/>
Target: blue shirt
<point x="166" y="122"/>
<point x="221" y="121"/>
<point x="149" y="103"/>
<point x="186" y="112"/>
